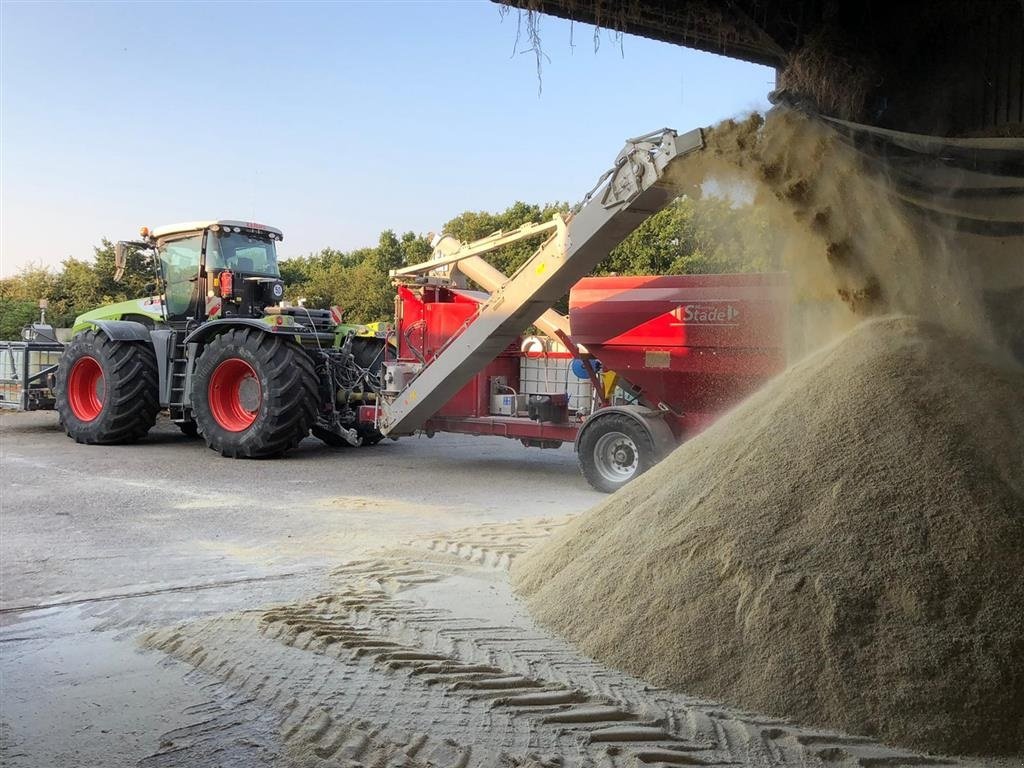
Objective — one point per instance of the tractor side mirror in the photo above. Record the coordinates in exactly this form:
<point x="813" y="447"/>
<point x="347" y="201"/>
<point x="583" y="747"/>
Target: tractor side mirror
<point x="120" y="259"/>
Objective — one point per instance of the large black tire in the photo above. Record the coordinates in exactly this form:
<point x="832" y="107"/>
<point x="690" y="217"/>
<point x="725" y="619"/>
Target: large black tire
<point x="613" y="450"/>
<point x="107" y="390"/>
<point x="254" y="394"/>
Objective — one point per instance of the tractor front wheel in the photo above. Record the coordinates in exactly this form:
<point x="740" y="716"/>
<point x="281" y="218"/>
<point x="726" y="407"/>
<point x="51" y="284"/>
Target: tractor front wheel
<point x="254" y="394"/>
<point x="107" y="390"/>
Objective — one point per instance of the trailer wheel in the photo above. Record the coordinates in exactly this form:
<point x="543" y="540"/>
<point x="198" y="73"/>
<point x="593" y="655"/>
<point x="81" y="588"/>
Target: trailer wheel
<point x="254" y="394"/>
<point x="613" y="450"/>
<point x="106" y="390"/>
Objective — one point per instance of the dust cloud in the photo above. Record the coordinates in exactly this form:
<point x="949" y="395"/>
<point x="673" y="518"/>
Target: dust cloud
<point x="866" y="233"/>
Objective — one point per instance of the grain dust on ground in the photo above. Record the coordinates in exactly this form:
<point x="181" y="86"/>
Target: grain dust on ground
<point x="420" y="655"/>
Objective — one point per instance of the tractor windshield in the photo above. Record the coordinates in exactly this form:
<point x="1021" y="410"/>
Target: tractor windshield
<point x="241" y="252"/>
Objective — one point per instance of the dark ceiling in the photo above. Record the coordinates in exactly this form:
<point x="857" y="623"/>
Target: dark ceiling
<point x="945" y="66"/>
<point x="760" y="32"/>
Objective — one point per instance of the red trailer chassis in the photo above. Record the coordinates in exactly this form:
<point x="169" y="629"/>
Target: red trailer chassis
<point x="675" y="353"/>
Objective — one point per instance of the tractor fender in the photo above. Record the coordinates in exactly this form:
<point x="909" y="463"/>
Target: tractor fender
<point x="207" y="330"/>
<point x="121" y="330"/>
<point x="651" y="420"/>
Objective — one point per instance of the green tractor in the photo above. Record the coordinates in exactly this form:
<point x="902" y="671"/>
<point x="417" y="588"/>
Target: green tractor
<point x="219" y="351"/>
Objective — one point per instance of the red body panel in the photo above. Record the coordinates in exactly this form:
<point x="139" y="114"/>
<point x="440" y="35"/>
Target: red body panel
<point x="696" y="344"/>
<point x="426" y="324"/>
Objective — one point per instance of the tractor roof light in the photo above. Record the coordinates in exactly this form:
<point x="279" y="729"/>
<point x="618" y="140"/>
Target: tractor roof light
<point x="144" y="231"/>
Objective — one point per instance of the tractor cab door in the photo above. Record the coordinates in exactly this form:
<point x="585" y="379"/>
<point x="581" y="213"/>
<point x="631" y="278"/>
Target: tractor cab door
<point x="179" y="262"/>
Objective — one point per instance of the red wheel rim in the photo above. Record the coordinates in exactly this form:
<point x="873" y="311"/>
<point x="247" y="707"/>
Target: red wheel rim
<point x="234" y="395"/>
<point x="86" y="389"/>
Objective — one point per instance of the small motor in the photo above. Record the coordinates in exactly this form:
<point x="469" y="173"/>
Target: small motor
<point x="553" y="407"/>
<point x="39" y="332"/>
<point x="398" y="375"/>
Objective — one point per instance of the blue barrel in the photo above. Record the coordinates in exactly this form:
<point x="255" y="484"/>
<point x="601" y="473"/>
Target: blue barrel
<point x="580" y="370"/>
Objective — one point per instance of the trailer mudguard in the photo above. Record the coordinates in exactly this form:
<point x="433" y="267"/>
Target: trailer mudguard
<point x="651" y="420"/>
<point x="121" y="330"/>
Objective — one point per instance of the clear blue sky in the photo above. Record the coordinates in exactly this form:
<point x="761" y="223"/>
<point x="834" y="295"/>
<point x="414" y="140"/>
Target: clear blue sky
<point x="332" y="121"/>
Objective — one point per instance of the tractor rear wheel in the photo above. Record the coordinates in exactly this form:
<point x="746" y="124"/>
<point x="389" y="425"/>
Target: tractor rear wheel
<point x="254" y="394"/>
<point x="107" y="390"/>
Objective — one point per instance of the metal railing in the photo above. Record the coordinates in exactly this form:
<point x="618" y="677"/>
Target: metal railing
<point x="27" y="369"/>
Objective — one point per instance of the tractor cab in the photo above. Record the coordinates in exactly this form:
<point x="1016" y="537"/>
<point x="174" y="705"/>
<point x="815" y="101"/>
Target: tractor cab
<point x="210" y="269"/>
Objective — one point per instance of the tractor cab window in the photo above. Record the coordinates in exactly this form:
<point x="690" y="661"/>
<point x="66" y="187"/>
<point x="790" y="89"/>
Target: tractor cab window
<point x="179" y="261"/>
<point x="241" y="252"/>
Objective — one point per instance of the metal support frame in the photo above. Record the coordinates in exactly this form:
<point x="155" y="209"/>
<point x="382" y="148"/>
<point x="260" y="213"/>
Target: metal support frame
<point x="482" y="246"/>
<point x="633" y="190"/>
<point x="577" y="352"/>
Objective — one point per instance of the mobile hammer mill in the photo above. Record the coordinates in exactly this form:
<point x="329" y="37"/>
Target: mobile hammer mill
<point x="678" y="350"/>
<point x="220" y="353"/>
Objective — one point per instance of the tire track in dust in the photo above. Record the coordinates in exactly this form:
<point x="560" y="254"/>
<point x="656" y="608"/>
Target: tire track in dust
<point x="492" y="544"/>
<point x="362" y="676"/>
<point x="591" y="719"/>
<point x="762" y="740"/>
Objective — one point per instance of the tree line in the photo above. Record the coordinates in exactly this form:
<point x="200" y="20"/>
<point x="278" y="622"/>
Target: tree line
<point x="690" y="236"/>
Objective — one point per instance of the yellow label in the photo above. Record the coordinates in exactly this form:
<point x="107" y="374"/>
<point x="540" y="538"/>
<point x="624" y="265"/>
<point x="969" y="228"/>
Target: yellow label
<point x="657" y="358"/>
<point x="540" y="268"/>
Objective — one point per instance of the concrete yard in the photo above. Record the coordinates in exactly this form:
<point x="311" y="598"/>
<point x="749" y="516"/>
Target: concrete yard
<point x="100" y="543"/>
<point x="164" y="606"/>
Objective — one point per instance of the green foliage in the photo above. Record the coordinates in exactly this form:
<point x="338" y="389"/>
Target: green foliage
<point x="139" y="275"/>
<point x="472" y="225"/>
<point x="19" y="299"/>
<point x="357" y="281"/>
<point x="30" y="284"/>
<point x="15" y="314"/>
<point x="690" y="236"/>
<point x="697" y="237"/>
<point x="77" y="287"/>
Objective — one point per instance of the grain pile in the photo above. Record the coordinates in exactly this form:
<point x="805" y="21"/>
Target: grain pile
<point x="846" y="548"/>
